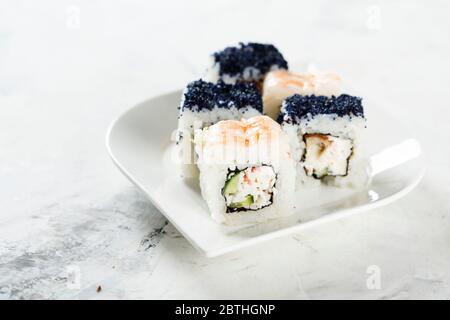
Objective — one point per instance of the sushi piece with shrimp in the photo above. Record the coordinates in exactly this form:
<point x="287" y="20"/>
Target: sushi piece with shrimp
<point x="247" y="173"/>
<point x="280" y="84"/>
<point x="326" y="138"/>
<point x="203" y="104"/>
<point x="245" y="62"/>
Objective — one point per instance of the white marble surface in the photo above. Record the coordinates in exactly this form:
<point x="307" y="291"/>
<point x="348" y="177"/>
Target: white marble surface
<point x="67" y="68"/>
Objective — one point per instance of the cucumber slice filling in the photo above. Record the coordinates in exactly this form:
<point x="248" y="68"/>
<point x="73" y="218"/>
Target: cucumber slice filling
<point x="246" y="203"/>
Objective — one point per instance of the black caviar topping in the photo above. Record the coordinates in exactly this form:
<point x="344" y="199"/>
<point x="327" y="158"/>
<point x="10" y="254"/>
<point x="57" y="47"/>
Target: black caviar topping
<point x="205" y="95"/>
<point x="298" y="107"/>
<point x="233" y="60"/>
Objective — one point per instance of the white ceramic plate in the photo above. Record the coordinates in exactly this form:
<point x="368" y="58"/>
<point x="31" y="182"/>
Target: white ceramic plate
<point x="139" y="143"/>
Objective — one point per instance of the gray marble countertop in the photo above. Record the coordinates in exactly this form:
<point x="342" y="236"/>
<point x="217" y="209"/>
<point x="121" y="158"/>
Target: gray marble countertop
<point x="70" y="222"/>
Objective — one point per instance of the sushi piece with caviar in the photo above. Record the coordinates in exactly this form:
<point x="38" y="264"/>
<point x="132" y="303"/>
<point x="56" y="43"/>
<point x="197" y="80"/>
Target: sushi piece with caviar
<point x="203" y="104"/>
<point x="245" y="62"/>
<point x="247" y="173"/>
<point x="280" y="84"/>
<point x="325" y="135"/>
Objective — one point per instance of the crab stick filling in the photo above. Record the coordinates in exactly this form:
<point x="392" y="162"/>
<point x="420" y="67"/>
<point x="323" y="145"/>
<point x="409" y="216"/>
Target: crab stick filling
<point x="326" y="155"/>
<point x="249" y="189"/>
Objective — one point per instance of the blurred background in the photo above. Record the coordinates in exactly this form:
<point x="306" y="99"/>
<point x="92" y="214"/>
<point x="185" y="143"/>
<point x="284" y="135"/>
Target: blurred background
<point x="68" y="68"/>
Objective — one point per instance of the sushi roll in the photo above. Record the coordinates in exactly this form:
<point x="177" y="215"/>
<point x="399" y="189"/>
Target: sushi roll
<point x="247" y="173"/>
<point x="203" y="104"/>
<point x="325" y="135"/>
<point x="245" y="62"/>
<point x="280" y="84"/>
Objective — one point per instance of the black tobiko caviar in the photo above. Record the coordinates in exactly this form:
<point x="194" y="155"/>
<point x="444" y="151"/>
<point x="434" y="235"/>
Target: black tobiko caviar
<point x="262" y="57"/>
<point x="298" y="106"/>
<point x="200" y="95"/>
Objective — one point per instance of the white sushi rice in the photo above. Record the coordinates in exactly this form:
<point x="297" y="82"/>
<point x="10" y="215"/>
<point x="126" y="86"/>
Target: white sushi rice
<point x="216" y="160"/>
<point x="212" y="73"/>
<point x="346" y="127"/>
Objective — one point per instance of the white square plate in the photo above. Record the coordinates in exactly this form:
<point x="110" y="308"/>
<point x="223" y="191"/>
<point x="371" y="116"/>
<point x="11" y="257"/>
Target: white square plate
<point x="139" y="143"/>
